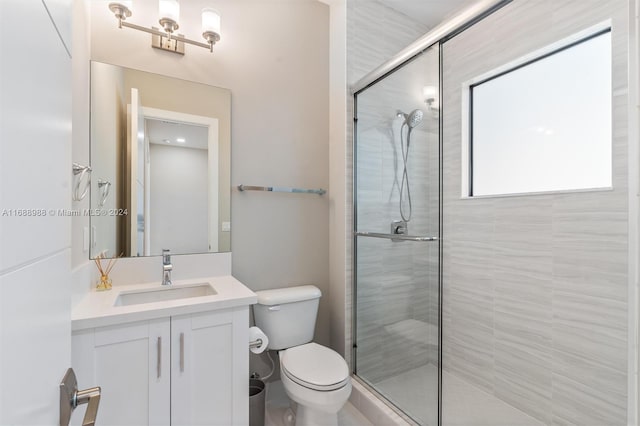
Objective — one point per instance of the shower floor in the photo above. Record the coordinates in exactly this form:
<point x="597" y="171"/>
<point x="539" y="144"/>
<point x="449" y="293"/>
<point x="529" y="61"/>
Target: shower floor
<point x="463" y="403"/>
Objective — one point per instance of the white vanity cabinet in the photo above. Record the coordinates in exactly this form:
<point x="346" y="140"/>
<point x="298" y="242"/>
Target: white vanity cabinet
<point x="131" y="362"/>
<point x="190" y="369"/>
<point x="210" y="368"/>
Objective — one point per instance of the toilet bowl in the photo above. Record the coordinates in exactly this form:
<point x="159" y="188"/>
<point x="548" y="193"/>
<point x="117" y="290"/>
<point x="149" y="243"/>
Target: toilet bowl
<point x="314" y="376"/>
<point x="317" y="379"/>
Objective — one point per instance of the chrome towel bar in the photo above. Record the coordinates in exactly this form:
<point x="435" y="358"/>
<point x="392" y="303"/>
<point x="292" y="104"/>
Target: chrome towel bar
<point x="242" y="188"/>
<point x="396" y="237"/>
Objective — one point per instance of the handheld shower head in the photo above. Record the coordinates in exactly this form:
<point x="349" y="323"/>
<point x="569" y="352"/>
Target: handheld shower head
<point x="414" y="118"/>
<point x="411" y="120"/>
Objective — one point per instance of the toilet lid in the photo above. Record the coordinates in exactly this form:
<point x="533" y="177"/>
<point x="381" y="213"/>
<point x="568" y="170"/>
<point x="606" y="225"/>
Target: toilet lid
<point x="315" y="366"/>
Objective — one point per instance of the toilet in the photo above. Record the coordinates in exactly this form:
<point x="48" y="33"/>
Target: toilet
<point x="314" y="376"/>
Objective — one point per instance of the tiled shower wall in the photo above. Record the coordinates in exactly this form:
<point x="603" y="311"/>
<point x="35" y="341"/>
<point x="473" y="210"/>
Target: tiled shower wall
<point x="375" y="33"/>
<point x="535" y="287"/>
<point x="393" y="278"/>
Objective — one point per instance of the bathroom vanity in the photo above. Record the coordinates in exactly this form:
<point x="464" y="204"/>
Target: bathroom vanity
<point x="167" y="355"/>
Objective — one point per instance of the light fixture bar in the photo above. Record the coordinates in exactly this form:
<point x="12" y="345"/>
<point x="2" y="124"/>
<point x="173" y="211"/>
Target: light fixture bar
<point x="163" y="34"/>
<point x="122" y="12"/>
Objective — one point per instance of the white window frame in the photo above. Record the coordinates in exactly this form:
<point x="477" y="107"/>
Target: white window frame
<point x="466" y="149"/>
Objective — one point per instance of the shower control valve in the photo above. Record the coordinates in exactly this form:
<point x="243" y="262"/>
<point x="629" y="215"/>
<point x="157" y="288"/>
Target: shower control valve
<point x="399" y="227"/>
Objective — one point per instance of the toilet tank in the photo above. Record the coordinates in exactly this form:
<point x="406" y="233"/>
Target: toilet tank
<point x="287" y="315"/>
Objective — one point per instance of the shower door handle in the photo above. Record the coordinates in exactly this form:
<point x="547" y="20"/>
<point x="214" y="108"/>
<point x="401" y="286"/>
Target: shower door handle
<point x="397" y="237"/>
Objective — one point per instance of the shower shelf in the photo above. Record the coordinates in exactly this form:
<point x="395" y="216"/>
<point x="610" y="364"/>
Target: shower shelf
<point x="397" y="237"/>
<point x="242" y="188"/>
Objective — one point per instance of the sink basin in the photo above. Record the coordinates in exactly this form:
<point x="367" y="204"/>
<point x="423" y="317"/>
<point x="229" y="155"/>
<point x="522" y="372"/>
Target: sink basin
<point x="164" y="294"/>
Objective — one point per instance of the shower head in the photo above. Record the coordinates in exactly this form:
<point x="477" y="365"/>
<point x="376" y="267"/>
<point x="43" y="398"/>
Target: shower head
<point x="413" y="118"/>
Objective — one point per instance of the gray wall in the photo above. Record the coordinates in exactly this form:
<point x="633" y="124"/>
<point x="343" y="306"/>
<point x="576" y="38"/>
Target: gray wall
<point x="535" y="287"/>
<point x="274" y="57"/>
<point x="81" y="104"/>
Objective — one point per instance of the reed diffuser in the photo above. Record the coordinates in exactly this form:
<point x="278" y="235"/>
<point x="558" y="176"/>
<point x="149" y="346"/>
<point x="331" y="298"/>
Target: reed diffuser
<point x="105" y="282"/>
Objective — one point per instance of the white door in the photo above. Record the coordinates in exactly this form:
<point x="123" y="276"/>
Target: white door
<point x="35" y="181"/>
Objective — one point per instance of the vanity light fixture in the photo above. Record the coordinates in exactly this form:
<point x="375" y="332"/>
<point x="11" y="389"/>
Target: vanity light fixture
<point x="166" y="38"/>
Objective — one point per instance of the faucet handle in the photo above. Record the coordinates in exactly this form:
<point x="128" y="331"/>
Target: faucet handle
<point x="166" y="256"/>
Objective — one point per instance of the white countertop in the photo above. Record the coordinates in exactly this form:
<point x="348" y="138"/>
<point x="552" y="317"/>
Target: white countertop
<point x="97" y="309"/>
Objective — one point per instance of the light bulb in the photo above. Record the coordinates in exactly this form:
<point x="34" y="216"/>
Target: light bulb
<point x="210" y="20"/>
<point x="429" y="92"/>
<point x="169" y="9"/>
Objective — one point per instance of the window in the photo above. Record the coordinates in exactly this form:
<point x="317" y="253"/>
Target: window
<point x="543" y="123"/>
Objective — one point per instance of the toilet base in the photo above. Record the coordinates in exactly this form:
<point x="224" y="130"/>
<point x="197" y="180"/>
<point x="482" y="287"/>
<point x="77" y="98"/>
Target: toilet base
<point x="306" y="416"/>
<point x="315" y="407"/>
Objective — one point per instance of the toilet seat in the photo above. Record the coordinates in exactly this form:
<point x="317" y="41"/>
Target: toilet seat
<point x="315" y="367"/>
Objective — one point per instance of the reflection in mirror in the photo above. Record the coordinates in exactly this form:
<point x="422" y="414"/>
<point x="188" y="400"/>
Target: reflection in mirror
<point x="180" y="156"/>
<point x="160" y="153"/>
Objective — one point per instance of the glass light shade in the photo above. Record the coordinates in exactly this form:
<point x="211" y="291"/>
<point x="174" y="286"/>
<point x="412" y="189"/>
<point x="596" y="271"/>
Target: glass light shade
<point x="210" y="20"/>
<point x="429" y="92"/>
<point x="169" y="9"/>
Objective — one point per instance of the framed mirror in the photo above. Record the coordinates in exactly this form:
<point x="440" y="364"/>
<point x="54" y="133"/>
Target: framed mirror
<point x="160" y="159"/>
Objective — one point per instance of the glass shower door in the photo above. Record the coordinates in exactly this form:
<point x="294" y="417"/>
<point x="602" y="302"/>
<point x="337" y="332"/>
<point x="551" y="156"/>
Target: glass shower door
<point x="396" y="224"/>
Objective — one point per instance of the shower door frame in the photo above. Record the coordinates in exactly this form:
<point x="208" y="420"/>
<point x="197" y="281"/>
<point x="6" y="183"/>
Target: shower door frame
<point x="355" y="235"/>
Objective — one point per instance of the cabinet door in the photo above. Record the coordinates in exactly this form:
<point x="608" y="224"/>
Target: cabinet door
<point x="131" y="363"/>
<point x="210" y="368"/>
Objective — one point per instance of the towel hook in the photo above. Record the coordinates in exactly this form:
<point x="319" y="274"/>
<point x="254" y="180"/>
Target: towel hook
<point x="79" y="172"/>
<point x="104" y="186"/>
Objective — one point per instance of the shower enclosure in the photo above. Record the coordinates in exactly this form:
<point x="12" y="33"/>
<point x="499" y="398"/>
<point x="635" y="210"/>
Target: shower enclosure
<point x="536" y="313"/>
<point x="397" y="312"/>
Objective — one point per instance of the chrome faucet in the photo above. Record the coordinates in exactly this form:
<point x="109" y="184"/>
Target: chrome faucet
<point x="167" y="267"/>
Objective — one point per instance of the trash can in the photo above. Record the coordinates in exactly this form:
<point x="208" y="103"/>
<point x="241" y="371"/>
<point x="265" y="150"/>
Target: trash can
<point x="257" y="394"/>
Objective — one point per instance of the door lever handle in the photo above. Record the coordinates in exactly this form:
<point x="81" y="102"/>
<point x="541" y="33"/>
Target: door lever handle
<point x="71" y="397"/>
<point x="91" y="397"/>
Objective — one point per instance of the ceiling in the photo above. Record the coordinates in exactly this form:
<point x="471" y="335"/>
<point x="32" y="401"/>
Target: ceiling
<point x="159" y="132"/>
<point x="428" y="12"/>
